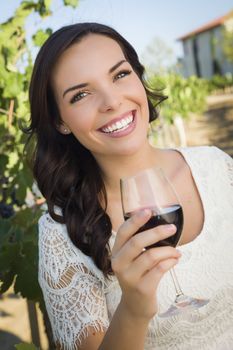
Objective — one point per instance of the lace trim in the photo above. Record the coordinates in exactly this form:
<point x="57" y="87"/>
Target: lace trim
<point x="229" y="163"/>
<point x="195" y="328"/>
<point x="73" y="293"/>
<point x="74" y="343"/>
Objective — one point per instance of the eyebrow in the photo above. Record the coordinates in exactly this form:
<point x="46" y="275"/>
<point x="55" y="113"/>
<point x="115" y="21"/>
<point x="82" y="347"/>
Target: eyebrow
<point x="80" y="86"/>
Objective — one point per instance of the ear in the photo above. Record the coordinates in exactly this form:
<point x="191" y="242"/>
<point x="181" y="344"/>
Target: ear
<point x="63" y="129"/>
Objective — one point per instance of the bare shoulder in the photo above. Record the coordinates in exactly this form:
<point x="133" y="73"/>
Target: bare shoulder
<point x="174" y="164"/>
<point x="91" y="342"/>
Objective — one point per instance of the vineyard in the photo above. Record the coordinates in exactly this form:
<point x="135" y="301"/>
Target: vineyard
<point x="20" y="201"/>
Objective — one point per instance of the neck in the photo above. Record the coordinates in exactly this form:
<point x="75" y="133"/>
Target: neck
<point x="115" y="167"/>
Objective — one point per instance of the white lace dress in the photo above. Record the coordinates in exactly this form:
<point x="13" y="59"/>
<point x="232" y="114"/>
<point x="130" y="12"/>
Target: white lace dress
<point x="77" y="295"/>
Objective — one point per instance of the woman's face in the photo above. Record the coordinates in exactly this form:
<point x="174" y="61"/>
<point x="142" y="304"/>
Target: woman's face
<point x="100" y="97"/>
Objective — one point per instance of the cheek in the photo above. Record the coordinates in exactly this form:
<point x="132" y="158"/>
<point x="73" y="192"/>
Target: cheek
<point x="77" y="119"/>
<point x="142" y="101"/>
<point x="137" y="90"/>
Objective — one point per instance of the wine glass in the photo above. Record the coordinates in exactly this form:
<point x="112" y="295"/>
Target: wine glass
<point x="151" y="189"/>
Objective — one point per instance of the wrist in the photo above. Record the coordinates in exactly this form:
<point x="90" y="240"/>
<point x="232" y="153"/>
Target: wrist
<point x="133" y="314"/>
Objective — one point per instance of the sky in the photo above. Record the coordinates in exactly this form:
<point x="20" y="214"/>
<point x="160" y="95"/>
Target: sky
<point x="139" y="21"/>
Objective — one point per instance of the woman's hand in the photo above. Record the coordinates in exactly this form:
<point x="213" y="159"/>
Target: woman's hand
<point x="137" y="270"/>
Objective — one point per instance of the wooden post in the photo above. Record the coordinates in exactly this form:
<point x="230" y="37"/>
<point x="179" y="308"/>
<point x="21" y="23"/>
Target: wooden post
<point x="10" y="113"/>
<point x="32" y="313"/>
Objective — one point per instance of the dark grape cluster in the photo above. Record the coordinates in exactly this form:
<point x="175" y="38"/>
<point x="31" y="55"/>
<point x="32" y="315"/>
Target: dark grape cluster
<point x="6" y="210"/>
<point x="7" y="200"/>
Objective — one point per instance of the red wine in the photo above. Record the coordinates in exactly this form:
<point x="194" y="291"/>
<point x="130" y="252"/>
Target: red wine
<point x="170" y="215"/>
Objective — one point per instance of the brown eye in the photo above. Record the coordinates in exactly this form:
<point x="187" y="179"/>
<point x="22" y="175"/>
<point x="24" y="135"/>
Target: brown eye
<point x="79" y="96"/>
<point x="122" y="74"/>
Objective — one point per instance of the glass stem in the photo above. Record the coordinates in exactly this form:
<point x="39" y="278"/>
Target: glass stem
<point x="176" y="283"/>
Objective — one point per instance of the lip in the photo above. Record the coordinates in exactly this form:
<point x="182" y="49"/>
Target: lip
<point x="124" y="132"/>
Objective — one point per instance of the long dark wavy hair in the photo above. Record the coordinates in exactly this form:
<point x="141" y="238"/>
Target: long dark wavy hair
<point x="67" y="174"/>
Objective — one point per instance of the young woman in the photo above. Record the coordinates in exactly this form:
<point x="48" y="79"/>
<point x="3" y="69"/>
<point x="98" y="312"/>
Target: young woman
<point x="90" y="113"/>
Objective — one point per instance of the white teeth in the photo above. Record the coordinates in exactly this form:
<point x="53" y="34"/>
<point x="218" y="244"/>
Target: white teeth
<point x="119" y="125"/>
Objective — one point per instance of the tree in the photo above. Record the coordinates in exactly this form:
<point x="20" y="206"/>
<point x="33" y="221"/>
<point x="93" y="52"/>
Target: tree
<point x="185" y="96"/>
<point x="158" y="57"/>
<point x="228" y="37"/>
<point x="19" y="203"/>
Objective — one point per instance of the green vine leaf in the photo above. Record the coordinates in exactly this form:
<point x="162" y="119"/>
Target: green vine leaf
<point x="28" y="266"/>
<point x="25" y="346"/>
<point x="5" y="231"/>
<point x="8" y="256"/>
<point x="43" y="8"/>
<point x="3" y="162"/>
<point x="14" y="85"/>
<point x="41" y="36"/>
<point x="72" y="3"/>
<point x="6" y="280"/>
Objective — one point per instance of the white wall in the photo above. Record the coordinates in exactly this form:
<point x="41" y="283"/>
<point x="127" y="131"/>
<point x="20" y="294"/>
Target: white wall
<point x="189" y="65"/>
<point x="226" y="66"/>
<point x="206" y="54"/>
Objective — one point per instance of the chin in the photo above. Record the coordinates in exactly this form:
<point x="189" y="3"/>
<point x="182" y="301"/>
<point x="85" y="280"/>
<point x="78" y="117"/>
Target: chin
<point x="132" y="148"/>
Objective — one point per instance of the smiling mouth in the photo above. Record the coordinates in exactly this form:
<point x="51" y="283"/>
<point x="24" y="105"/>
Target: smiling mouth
<point x="119" y="125"/>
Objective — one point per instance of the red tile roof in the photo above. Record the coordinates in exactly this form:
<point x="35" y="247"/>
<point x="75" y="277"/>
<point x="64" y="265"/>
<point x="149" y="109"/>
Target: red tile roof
<point x="212" y="24"/>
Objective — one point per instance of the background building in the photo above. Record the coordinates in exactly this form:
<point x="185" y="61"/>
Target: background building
<point x="203" y="49"/>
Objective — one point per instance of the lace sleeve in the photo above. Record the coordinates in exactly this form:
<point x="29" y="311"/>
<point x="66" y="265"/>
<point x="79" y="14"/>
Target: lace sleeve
<point x="73" y="292"/>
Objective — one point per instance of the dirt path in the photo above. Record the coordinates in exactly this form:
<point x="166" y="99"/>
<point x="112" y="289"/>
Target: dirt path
<point x="14" y="322"/>
<point x="214" y="127"/>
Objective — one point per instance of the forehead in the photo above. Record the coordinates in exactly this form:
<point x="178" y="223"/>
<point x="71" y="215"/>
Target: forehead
<point x="93" y="49"/>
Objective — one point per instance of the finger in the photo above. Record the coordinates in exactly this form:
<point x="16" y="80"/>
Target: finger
<point x="130" y="227"/>
<point x="148" y="260"/>
<point x="153" y="257"/>
<point x="135" y="245"/>
<point x="158" y="271"/>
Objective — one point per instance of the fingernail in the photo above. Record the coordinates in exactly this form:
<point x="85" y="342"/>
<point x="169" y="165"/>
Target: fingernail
<point x="171" y="228"/>
<point x="144" y="212"/>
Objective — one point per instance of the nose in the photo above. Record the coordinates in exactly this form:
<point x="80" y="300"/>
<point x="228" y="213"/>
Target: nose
<point x="110" y="100"/>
